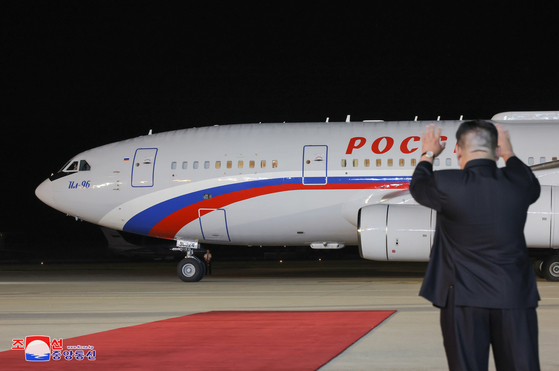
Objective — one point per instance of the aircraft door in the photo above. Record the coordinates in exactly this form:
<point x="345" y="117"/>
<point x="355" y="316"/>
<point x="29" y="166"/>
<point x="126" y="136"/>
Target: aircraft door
<point x="315" y="164"/>
<point x="213" y="224"/>
<point x="143" y="168"/>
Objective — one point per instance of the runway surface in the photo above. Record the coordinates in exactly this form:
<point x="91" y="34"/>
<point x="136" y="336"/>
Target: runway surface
<point x="64" y="301"/>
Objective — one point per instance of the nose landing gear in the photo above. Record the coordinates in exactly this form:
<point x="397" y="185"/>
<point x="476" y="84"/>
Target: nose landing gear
<point x="190" y="269"/>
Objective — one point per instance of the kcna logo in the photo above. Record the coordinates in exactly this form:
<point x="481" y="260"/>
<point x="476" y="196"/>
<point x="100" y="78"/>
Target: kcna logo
<point x="40" y="348"/>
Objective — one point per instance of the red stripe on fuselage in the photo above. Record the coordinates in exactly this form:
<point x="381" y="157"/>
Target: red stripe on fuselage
<point x="169" y="226"/>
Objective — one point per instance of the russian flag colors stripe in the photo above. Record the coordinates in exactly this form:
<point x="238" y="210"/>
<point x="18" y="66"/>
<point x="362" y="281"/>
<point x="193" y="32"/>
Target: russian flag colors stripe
<point x="165" y="219"/>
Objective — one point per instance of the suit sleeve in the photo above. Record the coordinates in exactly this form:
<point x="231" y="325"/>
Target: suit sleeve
<point x="523" y="175"/>
<point x="423" y="186"/>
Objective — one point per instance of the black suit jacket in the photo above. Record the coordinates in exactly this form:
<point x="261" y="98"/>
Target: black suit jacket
<point x="479" y="245"/>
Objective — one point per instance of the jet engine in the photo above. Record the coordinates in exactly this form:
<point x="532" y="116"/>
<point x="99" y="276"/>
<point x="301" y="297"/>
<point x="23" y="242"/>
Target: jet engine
<point x="542" y="223"/>
<point x="396" y="232"/>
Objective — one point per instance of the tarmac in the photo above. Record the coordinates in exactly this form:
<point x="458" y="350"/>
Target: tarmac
<point x="68" y="300"/>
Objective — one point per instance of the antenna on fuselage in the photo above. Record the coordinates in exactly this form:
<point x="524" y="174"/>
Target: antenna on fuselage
<point x="347" y="119"/>
<point x="150" y="131"/>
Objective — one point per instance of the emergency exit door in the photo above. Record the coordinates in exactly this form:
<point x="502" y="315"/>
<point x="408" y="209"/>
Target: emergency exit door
<point x="143" y="167"/>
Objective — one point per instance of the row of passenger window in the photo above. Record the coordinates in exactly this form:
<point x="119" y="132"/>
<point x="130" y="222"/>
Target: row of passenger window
<point x="413" y="162"/>
<point x="542" y="160"/>
<point x="378" y="162"/>
<point x="344" y="163"/>
<point x="229" y="164"/>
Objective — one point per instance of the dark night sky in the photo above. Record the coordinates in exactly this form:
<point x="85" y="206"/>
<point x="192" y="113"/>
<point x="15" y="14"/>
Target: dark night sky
<point x="77" y="74"/>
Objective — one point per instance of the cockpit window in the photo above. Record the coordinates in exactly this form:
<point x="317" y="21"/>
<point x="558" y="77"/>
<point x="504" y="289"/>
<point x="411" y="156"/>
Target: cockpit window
<point x="84" y="166"/>
<point x="64" y="167"/>
<point x="72" y="167"/>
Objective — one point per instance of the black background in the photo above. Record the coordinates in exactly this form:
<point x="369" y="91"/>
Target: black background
<point x="78" y="74"/>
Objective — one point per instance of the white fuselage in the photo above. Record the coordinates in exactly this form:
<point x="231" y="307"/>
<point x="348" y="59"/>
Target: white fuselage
<point x="262" y="184"/>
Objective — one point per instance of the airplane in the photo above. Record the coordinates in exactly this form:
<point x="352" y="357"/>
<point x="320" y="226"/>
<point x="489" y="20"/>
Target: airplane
<point x="324" y="184"/>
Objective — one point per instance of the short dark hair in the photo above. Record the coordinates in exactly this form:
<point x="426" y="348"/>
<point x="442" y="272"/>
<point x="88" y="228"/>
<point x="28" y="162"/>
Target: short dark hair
<point x="484" y="130"/>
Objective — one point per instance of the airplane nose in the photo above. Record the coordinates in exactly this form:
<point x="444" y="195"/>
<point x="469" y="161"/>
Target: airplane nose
<point x="45" y="193"/>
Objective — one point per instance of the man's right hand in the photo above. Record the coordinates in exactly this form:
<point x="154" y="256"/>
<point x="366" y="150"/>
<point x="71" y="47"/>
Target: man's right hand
<point x="431" y="141"/>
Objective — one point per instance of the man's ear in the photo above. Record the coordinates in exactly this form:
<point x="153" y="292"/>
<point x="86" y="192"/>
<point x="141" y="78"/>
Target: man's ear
<point x="497" y="153"/>
<point x="458" y="152"/>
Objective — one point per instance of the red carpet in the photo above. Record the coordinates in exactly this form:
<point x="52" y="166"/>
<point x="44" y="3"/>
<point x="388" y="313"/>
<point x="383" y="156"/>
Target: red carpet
<point x="279" y="340"/>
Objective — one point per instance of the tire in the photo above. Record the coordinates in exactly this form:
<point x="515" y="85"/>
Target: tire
<point x="550" y="268"/>
<point x="191" y="270"/>
<point x="537" y="265"/>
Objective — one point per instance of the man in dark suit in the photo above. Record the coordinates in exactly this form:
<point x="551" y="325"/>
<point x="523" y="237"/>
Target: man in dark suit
<point x="479" y="273"/>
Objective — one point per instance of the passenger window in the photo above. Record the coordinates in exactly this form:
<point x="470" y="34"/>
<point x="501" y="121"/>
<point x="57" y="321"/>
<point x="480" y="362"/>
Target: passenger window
<point x="542" y="160"/>
<point x="554" y="159"/>
<point x="355" y="162"/>
<point x="530" y="161"/>
<point x="448" y="162"/>
<point x="413" y="162"/>
<point x="240" y="164"/>
<point x="184" y="165"/>
<point x="251" y="164"/>
<point x="274" y="164"/>
<point x="218" y="164"/>
<point x="436" y="163"/>
<point x="367" y="163"/>
<point x="206" y="164"/>
<point x="402" y="162"/>
<point x="195" y="165"/>
<point x="389" y="162"/>
<point x="229" y="164"/>
<point x="173" y="165"/>
<point x="263" y="164"/>
<point x="379" y="162"/>
<point x="344" y="163"/>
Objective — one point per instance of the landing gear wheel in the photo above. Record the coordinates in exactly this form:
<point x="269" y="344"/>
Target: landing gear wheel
<point x="191" y="269"/>
<point x="550" y="268"/>
<point x="537" y="265"/>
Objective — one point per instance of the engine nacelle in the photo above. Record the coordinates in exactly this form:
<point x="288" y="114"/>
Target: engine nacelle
<point x="542" y="223"/>
<point x="405" y="232"/>
<point x="396" y="232"/>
